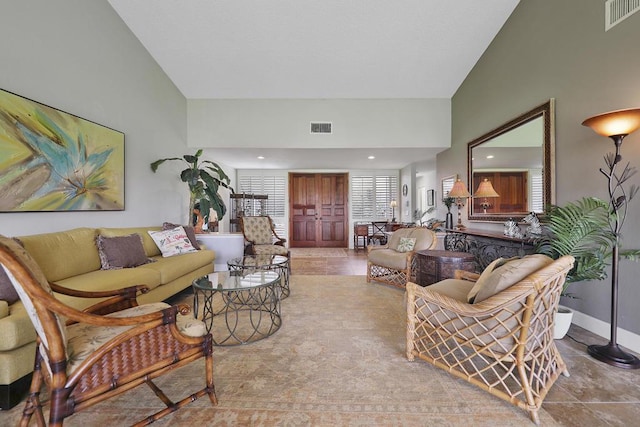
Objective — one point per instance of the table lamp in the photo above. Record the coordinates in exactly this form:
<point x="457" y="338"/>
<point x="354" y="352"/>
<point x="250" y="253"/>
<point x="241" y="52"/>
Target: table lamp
<point x="485" y="190"/>
<point x="393" y="205"/>
<point x="460" y="193"/>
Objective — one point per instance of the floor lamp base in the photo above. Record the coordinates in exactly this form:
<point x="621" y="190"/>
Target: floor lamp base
<point x="613" y="355"/>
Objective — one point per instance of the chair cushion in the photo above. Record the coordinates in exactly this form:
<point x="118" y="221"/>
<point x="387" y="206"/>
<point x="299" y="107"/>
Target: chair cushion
<point x="424" y="238"/>
<point x="172" y="242"/>
<point x="388" y="258"/>
<point x="85" y="339"/>
<point x="121" y="252"/>
<point x="270" y="250"/>
<point x="483" y="278"/>
<point x="257" y="229"/>
<point x="509" y="274"/>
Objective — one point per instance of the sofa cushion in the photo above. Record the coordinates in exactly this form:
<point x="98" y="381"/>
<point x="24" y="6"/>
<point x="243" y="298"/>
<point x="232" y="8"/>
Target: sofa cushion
<point x="173" y="267"/>
<point x="150" y="248"/>
<point x="121" y="252"/>
<point x="511" y="273"/>
<point x="4" y="309"/>
<point x="7" y="291"/>
<point x="16" y="329"/>
<point x="65" y="253"/>
<point x="172" y="242"/>
<point x="103" y="280"/>
<point x="191" y="232"/>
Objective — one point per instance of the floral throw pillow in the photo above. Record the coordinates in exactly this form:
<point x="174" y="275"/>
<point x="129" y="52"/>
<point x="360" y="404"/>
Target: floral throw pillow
<point x="406" y="244"/>
<point x="191" y="234"/>
<point x="172" y="242"/>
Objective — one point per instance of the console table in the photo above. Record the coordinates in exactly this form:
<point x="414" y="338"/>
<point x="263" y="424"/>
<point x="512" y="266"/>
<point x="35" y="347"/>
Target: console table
<point x="487" y="246"/>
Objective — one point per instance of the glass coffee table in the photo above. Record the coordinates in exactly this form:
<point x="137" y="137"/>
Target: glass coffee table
<point x="251" y="263"/>
<point x="239" y="309"/>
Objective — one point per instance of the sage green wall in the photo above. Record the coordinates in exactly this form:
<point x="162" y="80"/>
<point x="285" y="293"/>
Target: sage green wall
<point x="78" y="56"/>
<point x="559" y="49"/>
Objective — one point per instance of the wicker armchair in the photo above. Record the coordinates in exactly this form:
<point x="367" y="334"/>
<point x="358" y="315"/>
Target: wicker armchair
<point x="392" y="264"/>
<point x="93" y="357"/>
<point x="261" y="236"/>
<point x="503" y="344"/>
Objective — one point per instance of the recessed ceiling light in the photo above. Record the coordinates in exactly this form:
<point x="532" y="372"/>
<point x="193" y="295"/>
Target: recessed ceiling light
<point x="260" y="157"/>
<point x="490" y="156"/>
<point x="371" y="157"/>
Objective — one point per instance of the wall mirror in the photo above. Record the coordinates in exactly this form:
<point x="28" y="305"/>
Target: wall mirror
<point x="517" y="159"/>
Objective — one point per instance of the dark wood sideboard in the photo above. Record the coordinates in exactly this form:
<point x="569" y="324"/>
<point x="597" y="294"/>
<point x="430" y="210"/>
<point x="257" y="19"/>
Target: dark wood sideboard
<point x="437" y="265"/>
<point x="487" y="246"/>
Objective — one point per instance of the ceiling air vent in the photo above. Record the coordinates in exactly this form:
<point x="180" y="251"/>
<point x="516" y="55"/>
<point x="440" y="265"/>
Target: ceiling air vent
<point x="616" y="11"/>
<point x="323" y="127"/>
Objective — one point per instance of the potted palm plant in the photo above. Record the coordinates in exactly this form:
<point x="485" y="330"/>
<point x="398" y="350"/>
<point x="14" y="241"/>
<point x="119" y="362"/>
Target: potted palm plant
<point x="204" y="179"/>
<point x="580" y="229"/>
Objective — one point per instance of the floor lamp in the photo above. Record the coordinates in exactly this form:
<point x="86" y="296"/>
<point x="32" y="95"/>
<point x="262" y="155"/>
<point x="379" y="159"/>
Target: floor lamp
<point x="460" y="193"/>
<point x="615" y="125"/>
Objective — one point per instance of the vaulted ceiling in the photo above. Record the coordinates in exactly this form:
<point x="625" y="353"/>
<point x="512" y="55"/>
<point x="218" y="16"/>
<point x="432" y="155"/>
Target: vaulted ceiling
<point x="315" y="49"/>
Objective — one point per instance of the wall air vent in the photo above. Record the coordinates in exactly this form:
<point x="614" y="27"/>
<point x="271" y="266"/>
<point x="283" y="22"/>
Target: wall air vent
<point x="322" y="127"/>
<point x="616" y="11"/>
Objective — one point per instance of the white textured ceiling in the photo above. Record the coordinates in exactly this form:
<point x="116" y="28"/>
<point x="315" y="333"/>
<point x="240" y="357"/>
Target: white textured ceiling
<point x="257" y="49"/>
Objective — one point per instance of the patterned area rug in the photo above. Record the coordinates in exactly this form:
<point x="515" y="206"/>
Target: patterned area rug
<point x="338" y="360"/>
<point x="318" y="252"/>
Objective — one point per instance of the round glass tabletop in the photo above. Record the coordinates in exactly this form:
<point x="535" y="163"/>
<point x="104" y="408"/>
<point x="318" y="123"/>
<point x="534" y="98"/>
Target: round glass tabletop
<point x="257" y="261"/>
<point x="212" y="282"/>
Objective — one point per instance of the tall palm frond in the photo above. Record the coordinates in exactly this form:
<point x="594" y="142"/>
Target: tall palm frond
<point x="580" y="229"/>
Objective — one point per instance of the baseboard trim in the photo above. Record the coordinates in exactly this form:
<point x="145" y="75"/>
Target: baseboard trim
<point x="626" y="339"/>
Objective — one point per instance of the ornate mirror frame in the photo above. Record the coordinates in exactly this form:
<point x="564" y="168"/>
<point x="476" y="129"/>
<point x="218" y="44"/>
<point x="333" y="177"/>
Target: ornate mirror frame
<point x="547" y="113"/>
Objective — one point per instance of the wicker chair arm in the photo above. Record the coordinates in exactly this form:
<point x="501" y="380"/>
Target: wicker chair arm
<point x="488" y="307"/>
<point x="122" y="292"/>
<point x="376" y="247"/>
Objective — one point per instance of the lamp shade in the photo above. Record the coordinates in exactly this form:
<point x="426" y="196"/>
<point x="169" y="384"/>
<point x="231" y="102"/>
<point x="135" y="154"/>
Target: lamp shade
<point x="620" y="122"/>
<point x="485" y="189"/>
<point x="393" y="204"/>
<point x="459" y="190"/>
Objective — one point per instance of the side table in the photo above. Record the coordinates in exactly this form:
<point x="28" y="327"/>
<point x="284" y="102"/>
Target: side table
<point x="437" y="265"/>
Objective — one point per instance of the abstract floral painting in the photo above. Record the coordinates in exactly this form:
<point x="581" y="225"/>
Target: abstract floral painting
<point x="54" y="161"/>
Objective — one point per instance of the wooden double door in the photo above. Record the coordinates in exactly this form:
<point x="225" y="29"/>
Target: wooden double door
<point x="318" y="210"/>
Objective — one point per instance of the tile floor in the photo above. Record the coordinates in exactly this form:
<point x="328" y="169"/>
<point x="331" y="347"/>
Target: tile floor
<point x="595" y="394"/>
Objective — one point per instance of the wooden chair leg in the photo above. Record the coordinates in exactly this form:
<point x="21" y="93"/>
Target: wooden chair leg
<point x="33" y="404"/>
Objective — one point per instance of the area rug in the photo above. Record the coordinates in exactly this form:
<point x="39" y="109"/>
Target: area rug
<point x="318" y="252"/>
<point x="338" y="360"/>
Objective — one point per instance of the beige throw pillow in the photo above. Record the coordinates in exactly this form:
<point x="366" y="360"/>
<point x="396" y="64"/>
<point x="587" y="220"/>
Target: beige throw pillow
<point x="483" y="278"/>
<point x="508" y="274"/>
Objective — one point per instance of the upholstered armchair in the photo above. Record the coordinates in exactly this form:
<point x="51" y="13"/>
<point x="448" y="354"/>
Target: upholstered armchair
<point x="93" y="356"/>
<point x="494" y="330"/>
<point x="395" y="263"/>
<point x="261" y="236"/>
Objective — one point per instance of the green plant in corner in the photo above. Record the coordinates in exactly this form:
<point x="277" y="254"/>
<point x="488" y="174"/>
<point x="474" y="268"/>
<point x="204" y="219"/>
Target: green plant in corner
<point x="581" y="229"/>
<point x="204" y="179"/>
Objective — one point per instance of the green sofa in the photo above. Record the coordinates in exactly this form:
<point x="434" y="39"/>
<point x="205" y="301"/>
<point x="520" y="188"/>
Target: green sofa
<point x="71" y="259"/>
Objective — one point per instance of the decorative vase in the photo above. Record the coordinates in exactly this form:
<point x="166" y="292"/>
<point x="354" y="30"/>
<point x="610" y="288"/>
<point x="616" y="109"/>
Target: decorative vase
<point x="448" y="221"/>
<point x="562" y="322"/>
